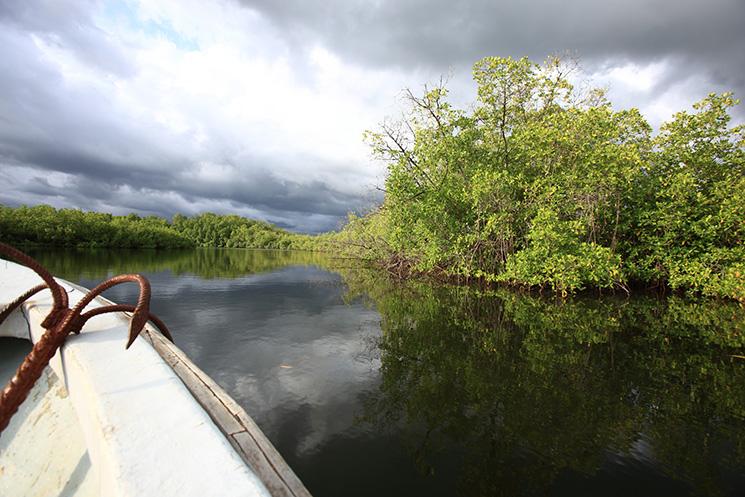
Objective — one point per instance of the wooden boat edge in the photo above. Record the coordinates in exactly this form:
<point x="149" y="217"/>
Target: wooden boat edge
<point x="234" y="422"/>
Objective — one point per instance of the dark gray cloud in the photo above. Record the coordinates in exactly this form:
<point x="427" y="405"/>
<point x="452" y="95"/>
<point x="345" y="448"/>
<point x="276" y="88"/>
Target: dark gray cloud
<point x="446" y="33"/>
<point x="309" y="208"/>
<point x="705" y="38"/>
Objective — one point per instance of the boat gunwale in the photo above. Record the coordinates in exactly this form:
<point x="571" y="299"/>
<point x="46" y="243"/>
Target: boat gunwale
<point x="236" y="425"/>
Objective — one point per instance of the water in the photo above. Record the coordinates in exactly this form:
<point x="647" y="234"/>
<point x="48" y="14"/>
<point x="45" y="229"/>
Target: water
<point x="368" y="387"/>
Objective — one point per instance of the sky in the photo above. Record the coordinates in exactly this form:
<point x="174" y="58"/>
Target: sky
<point x="258" y="107"/>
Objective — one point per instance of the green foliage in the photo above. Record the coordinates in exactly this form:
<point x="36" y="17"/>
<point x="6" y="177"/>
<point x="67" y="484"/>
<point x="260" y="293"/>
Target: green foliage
<point x="556" y="256"/>
<point x="692" y="226"/>
<point x="539" y="184"/>
<point x="213" y="230"/>
<point x="364" y="237"/>
<point x="47" y="226"/>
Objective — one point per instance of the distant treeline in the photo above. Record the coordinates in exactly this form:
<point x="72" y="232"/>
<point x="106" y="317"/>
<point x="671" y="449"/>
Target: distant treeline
<point x="542" y="185"/>
<point x="43" y="225"/>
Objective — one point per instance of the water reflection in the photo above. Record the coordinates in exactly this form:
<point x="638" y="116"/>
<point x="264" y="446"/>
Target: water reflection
<point x="205" y="263"/>
<point x="369" y="387"/>
<point x="273" y="328"/>
<point x="601" y="395"/>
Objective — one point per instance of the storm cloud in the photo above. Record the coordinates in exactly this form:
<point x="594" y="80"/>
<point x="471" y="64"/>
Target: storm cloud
<point x="258" y="107"/>
<point x="447" y="33"/>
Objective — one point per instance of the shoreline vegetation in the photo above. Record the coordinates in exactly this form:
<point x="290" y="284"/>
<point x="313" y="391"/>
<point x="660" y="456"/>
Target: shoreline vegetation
<point x="543" y="185"/>
<point x="43" y="225"/>
<point x="537" y="185"/>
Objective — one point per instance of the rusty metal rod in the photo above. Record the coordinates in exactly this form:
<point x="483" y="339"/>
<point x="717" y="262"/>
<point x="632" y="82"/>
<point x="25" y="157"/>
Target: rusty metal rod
<point x="20" y="300"/>
<point x="162" y="328"/>
<point x="60" y="322"/>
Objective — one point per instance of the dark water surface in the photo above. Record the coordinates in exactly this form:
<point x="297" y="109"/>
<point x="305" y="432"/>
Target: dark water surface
<point x="368" y="387"/>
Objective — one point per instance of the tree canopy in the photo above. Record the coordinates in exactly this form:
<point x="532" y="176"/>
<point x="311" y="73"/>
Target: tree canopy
<point x="45" y="225"/>
<point x="541" y="184"/>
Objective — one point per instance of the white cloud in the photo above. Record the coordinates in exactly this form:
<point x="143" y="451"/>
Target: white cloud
<point x="637" y="77"/>
<point x="659" y="88"/>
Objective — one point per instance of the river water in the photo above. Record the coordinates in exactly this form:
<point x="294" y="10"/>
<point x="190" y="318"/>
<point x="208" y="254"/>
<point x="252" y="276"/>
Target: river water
<point x="368" y="387"/>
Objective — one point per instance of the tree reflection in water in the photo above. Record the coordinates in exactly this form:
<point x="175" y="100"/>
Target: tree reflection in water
<point x="533" y="394"/>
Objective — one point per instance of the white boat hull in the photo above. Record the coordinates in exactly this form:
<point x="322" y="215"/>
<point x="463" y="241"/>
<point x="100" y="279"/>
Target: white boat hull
<point x="113" y="422"/>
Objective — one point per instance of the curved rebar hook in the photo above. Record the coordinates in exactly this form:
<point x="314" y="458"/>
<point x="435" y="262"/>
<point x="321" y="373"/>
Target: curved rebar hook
<point x="127" y="308"/>
<point x="60" y="322"/>
<point x="141" y="310"/>
<point x="20" y="300"/>
<point x="58" y="294"/>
